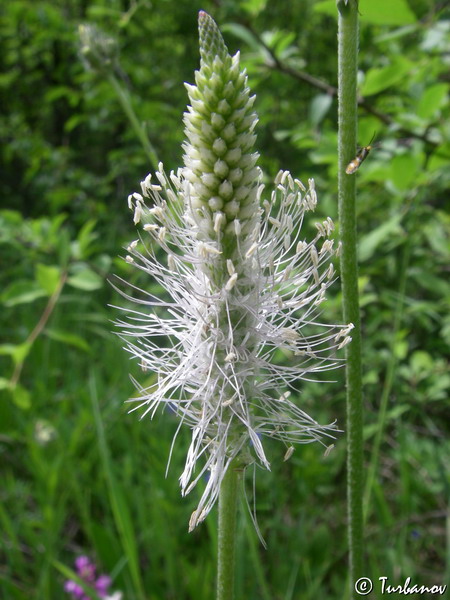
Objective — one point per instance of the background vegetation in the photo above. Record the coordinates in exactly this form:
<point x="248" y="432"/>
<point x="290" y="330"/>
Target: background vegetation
<point x="79" y="475"/>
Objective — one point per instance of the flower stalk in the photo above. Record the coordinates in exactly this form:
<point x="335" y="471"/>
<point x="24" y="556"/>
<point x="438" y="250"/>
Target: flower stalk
<point x="227" y="533"/>
<point x="347" y="67"/>
<point x="99" y="53"/>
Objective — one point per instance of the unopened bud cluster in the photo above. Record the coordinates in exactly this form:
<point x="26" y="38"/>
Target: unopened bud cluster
<point x="243" y="285"/>
<point x="220" y="161"/>
<point x="98" y="51"/>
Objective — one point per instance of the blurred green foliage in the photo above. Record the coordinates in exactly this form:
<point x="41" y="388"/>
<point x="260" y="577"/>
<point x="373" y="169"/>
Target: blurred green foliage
<point x="80" y="475"/>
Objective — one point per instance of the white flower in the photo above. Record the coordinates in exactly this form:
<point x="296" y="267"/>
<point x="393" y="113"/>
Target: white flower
<point x="242" y="282"/>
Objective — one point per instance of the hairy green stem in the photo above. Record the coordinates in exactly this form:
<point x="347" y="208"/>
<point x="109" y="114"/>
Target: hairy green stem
<point x="227" y="533"/>
<point x="347" y="60"/>
<point x="125" y="102"/>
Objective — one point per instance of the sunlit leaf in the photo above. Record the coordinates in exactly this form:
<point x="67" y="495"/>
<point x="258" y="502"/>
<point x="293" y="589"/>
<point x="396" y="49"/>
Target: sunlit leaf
<point x="5" y="384"/>
<point x="432" y="99"/>
<point x="82" y="248"/>
<point x="326" y="7"/>
<point x="386" y="12"/>
<point x="86" y="280"/>
<point x="21" y="292"/>
<point x="253" y="7"/>
<point x="69" y="338"/>
<point x="21" y="397"/>
<point x="404" y="170"/>
<point x="371" y="241"/>
<point x="379" y="79"/>
<point x="319" y="108"/>
<point x="243" y="34"/>
<point x="422" y="360"/>
<point x="48" y="277"/>
<point x="18" y="352"/>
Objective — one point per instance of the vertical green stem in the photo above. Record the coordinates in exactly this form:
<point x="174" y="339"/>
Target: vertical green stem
<point x="347" y="59"/>
<point x="125" y="102"/>
<point x="227" y="534"/>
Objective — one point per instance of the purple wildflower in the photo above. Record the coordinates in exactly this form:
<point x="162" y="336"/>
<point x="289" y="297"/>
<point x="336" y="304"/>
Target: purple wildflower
<point x="86" y="570"/>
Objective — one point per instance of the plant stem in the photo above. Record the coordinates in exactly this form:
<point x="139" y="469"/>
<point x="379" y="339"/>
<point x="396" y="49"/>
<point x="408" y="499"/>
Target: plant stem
<point x="125" y="102"/>
<point x="347" y="61"/>
<point x="52" y="301"/>
<point x="227" y="534"/>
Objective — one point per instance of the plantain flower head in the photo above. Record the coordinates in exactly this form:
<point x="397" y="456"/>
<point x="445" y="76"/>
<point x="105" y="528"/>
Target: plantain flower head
<point x="240" y="285"/>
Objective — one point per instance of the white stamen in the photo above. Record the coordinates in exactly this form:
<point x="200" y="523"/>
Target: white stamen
<point x="301" y="247"/>
<point x="151" y="227"/>
<point x="289" y="334"/>
<point x="231" y="282"/>
<point x="251" y="250"/>
<point x="219" y="218"/>
<point x="328" y="450"/>
<point x="275" y="222"/>
<point x="137" y="213"/>
<point x="289" y="453"/>
<point x="344" y="342"/>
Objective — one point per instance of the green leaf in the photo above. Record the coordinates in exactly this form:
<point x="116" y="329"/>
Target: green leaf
<point x="397" y="412"/>
<point x="86" y="280"/>
<point x="243" y="34"/>
<point x="253" y="7"/>
<point x="82" y="248"/>
<point x="21" y="397"/>
<point x="48" y="277"/>
<point x="440" y="157"/>
<point x="18" y="352"/>
<point x="437" y="234"/>
<point x="401" y="349"/>
<point x="428" y="281"/>
<point x="5" y="384"/>
<point x="68" y="338"/>
<point x="404" y="170"/>
<point x="371" y="241"/>
<point x="379" y="79"/>
<point x="386" y="12"/>
<point x="432" y="99"/>
<point x="10" y="218"/>
<point x="421" y="362"/>
<point x="21" y="292"/>
<point x="326" y="7"/>
<point x="319" y="108"/>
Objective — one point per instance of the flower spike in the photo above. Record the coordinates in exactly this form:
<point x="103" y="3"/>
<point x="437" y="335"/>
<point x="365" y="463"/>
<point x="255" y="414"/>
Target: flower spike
<point x="241" y="285"/>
